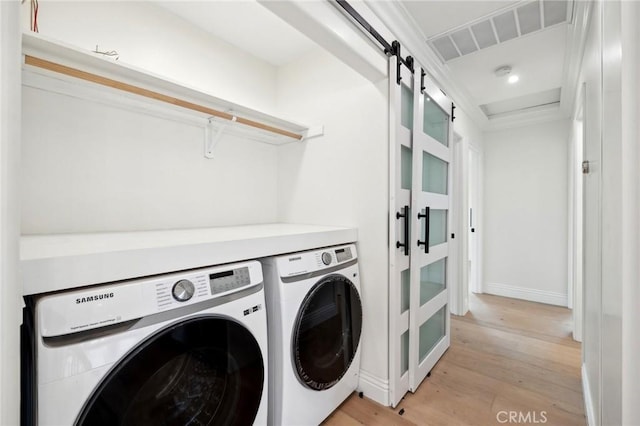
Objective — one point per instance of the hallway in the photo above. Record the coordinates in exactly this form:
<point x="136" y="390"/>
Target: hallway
<point x="505" y="355"/>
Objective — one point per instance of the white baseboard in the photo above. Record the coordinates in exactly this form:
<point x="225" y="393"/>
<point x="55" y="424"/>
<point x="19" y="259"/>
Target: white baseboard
<point x="530" y="294"/>
<point x="373" y="387"/>
<point x="588" y="400"/>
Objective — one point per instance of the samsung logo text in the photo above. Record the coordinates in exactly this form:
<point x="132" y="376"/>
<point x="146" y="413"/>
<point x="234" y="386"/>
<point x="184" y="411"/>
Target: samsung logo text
<point x="94" y="298"/>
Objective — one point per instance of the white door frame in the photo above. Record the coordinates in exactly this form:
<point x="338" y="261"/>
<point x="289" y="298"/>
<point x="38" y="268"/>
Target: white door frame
<point x="467" y="184"/>
<point x="11" y="296"/>
<point x="459" y="291"/>
<point x="474" y="182"/>
<point x="575" y="217"/>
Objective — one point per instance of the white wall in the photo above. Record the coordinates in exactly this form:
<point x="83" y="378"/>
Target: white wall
<point x="525" y="212"/>
<point x="153" y="39"/>
<point x="342" y="178"/>
<point x="630" y="35"/>
<point x="10" y="298"/>
<point x="468" y="129"/>
<point x="91" y="167"/>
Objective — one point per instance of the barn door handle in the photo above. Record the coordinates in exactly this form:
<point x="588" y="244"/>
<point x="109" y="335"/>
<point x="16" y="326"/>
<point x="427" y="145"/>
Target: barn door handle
<point x="425" y="216"/>
<point x="405" y="215"/>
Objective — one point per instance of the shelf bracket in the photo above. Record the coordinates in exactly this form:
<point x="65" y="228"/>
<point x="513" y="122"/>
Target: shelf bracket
<point x="213" y="137"/>
<point x="313" y="132"/>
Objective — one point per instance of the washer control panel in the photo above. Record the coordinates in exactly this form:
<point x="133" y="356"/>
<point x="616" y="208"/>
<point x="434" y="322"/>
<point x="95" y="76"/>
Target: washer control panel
<point x="99" y="306"/>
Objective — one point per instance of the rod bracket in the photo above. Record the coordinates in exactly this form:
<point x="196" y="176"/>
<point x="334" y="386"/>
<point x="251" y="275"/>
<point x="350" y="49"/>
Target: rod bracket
<point x="212" y="136"/>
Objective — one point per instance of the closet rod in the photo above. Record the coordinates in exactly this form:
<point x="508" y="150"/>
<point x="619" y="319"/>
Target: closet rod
<point x="62" y="69"/>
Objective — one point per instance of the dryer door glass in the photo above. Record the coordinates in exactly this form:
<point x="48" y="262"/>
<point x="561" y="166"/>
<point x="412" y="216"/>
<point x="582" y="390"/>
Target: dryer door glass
<point x="202" y="371"/>
<point x="327" y="332"/>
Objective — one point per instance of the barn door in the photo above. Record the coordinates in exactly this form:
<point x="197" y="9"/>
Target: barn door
<point x="401" y="181"/>
<point x="430" y="263"/>
<point x="420" y="198"/>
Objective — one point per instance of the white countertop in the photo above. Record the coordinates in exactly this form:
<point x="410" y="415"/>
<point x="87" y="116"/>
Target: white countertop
<point x="57" y="262"/>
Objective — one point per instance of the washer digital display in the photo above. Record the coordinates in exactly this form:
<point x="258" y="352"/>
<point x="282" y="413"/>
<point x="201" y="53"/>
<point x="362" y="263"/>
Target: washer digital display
<point x="229" y="280"/>
<point x="343" y="254"/>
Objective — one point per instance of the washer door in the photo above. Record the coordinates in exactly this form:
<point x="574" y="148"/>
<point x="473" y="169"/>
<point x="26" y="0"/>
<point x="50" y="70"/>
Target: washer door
<point x="327" y="332"/>
<point x="202" y="371"/>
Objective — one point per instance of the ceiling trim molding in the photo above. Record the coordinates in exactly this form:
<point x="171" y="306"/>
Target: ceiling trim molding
<point x="536" y="115"/>
<point x="400" y="22"/>
<point x="576" y="43"/>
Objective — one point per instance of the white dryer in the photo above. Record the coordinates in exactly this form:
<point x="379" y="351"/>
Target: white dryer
<point x="315" y="320"/>
<point x="188" y="348"/>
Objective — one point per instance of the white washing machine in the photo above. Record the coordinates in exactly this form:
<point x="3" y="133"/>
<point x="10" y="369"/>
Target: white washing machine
<point x="188" y="348"/>
<point x="315" y="321"/>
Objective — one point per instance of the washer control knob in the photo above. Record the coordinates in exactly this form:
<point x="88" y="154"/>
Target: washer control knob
<point x="183" y="290"/>
<point x="326" y="258"/>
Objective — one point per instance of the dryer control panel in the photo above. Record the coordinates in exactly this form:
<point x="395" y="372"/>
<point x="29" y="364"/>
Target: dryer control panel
<point x="99" y="306"/>
<point x="317" y="261"/>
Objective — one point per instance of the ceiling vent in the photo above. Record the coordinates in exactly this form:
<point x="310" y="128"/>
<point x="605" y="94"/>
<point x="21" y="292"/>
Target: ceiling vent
<point x="507" y="24"/>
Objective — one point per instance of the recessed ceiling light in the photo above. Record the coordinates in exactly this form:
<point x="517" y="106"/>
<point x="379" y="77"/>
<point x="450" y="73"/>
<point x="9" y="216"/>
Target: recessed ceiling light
<point x="513" y="79"/>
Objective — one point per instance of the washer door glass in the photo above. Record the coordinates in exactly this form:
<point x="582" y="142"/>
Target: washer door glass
<point x="327" y="332"/>
<point x="202" y="371"/>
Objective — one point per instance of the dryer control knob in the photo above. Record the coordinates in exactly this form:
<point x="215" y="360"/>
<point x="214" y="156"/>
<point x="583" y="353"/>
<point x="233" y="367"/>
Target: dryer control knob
<point x="326" y="258"/>
<point x="183" y="290"/>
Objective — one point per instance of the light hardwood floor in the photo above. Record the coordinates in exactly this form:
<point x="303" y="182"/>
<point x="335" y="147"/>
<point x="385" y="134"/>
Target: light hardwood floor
<point x="505" y="355"/>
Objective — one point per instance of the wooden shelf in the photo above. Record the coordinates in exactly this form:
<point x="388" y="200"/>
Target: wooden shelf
<point x="58" y="262"/>
<point x="51" y="65"/>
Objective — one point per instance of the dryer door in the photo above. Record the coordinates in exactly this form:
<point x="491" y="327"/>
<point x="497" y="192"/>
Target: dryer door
<point x="327" y="332"/>
<point x="201" y="371"/>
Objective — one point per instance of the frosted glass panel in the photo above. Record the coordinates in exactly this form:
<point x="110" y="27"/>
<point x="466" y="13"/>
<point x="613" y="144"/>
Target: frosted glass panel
<point x="434" y="174"/>
<point x="432" y="280"/>
<point x="436" y="121"/>
<point x="405" y="167"/>
<point x="404" y="298"/>
<point x="406" y="107"/>
<point x="431" y="332"/>
<point x="404" y="352"/>
<point x="437" y="227"/>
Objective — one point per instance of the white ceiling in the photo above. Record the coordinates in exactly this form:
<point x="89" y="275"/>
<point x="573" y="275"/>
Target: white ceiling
<point x="436" y="17"/>
<point x="245" y="24"/>
<point x="537" y="58"/>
